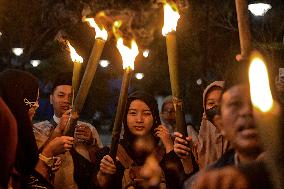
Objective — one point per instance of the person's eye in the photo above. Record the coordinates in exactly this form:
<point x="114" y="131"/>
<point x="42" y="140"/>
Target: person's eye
<point x="147" y="113"/>
<point x="132" y="112"/>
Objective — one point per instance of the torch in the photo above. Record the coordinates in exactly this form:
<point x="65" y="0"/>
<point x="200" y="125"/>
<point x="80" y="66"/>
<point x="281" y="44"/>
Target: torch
<point x="267" y="113"/>
<point x="244" y="29"/>
<point x="171" y="17"/>
<point x="101" y="37"/>
<point x="128" y="57"/>
<point x="78" y="60"/>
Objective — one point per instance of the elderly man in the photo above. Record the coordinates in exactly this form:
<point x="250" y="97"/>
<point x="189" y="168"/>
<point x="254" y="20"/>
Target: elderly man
<point x="86" y="135"/>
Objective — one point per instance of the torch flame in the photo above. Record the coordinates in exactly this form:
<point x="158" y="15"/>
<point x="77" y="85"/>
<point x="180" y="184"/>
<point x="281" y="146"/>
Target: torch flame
<point x="171" y="17"/>
<point x="74" y="56"/>
<point x="100" y="33"/>
<point x="259" y="85"/>
<point x="128" y="54"/>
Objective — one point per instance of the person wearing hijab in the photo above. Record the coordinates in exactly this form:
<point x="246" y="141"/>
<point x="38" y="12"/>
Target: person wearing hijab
<point x="19" y="90"/>
<point x="142" y="132"/>
<point x="211" y="144"/>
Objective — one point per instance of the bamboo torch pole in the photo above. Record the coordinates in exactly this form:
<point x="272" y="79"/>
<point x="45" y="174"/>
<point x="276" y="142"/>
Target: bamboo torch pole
<point x="170" y="22"/>
<point x="128" y="57"/>
<point x="244" y="29"/>
<point x="101" y="37"/>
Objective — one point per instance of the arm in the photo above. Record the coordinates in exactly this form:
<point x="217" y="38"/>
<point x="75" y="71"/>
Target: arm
<point x="163" y="133"/>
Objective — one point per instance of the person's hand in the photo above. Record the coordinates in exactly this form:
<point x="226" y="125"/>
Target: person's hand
<point x="151" y="172"/>
<point x="181" y="145"/>
<point x="58" y="146"/>
<point x="107" y="168"/>
<point x="163" y="133"/>
<point x="64" y="120"/>
<point x="225" y="178"/>
<point x="56" y="164"/>
<point x="84" y="133"/>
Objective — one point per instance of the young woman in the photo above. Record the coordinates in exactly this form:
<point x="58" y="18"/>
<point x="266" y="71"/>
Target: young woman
<point x="142" y="129"/>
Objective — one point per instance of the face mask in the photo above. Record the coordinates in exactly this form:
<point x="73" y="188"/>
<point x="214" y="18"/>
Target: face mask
<point x="210" y="113"/>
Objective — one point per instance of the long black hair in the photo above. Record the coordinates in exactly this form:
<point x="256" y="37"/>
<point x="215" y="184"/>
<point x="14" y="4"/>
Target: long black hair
<point x="17" y="85"/>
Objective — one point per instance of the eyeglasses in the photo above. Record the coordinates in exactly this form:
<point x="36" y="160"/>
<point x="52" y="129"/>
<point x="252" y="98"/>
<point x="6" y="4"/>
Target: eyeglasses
<point x="31" y="104"/>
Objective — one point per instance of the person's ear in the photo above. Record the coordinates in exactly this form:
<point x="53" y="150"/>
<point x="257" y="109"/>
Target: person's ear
<point x="50" y="99"/>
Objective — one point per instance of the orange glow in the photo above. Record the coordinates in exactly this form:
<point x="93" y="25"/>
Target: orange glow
<point x="128" y="54"/>
<point x="74" y="56"/>
<point x="171" y="17"/>
<point x="100" y="33"/>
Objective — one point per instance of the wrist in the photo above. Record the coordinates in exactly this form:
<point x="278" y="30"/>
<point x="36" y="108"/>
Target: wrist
<point x="48" y="161"/>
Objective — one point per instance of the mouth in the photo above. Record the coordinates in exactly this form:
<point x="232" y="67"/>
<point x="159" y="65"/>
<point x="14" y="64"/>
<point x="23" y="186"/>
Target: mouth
<point x="248" y="131"/>
<point x="65" y="107"/>
<point x="139" y="128"/>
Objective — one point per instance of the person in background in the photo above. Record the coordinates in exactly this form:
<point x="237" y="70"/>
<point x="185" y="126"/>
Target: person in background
<point x="211" y="144"/>
<point x="75" y="168"/>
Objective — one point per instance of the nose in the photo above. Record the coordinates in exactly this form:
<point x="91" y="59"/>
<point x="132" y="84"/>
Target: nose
<point x="139" y="118"/>
<point x="246" y="110"/>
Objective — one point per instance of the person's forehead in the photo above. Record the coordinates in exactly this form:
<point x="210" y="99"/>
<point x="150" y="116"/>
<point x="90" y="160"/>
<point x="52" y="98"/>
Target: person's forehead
<point x="236" y="91"/>
<point x="138" y="104"/>
<point x="63" y="88"/>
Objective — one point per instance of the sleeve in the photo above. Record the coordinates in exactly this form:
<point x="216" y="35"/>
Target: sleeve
<point x="173" y="170"/>
<point x="41" y="133"/>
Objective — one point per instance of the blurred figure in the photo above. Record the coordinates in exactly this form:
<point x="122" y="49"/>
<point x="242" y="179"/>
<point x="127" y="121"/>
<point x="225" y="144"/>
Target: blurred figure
<point x="142" y="132"/>
<point x="20" y="92"/>
<point x="238" y="126"/>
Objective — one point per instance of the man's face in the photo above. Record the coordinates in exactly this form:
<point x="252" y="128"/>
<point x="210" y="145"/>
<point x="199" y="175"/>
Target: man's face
<point x="237" y="120"/>
<point x="60" y="99"/>
<point x="168" y="113"/>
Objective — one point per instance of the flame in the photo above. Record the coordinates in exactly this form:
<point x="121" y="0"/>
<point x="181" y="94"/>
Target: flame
<point x="128" y="54"/>
<point x="259" y="85"/>
<point x="100" y="33"/>
<point x="74" y="56"/>
<point x="171" y="17"/>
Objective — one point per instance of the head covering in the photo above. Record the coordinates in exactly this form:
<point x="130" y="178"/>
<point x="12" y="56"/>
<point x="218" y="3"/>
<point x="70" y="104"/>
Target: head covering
<point x="63" y="78"/>
<point x="211" y="145"/>
<point x="16" y="85"/>
<point x="151" y="103"/>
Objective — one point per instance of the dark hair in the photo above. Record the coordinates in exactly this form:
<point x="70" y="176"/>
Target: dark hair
<point x="62" y="78"/>
<point x="16" y="85"/>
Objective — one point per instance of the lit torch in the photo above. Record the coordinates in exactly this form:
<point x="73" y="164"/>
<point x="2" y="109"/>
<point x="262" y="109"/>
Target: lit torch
<point x="78" y="60"/>
<point x="128" y="57"/>
<point x="101" y="37"/>
<point x="266" y="114"/>
<point x="171" y="17"/>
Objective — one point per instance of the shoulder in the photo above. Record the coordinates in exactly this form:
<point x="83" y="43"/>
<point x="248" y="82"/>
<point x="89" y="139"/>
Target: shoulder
<point x="225" y="160"/>
<point x="42" y="126"/>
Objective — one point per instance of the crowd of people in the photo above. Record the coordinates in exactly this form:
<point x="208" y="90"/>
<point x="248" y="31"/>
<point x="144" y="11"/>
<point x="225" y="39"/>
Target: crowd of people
<point x="226" y="152"/>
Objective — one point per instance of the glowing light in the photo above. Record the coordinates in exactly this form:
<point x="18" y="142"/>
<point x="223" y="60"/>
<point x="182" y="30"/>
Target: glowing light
<point x="74" y="56"/>
<point x="35" y="63"/>
<point x="146" y="53"/>
<point x="259" y="85"/>
<point x="259" y="9"/>
<point x="199" y="81"/>
<point x="18" y="51"/>
<point x="139" y="76"/>
<point x="128" y="54"/>
<point x="104" y="63"/>
<point x="100" y="33"/>
<point x="171" y="17"/>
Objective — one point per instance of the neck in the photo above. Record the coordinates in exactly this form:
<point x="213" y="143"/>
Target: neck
<point x="247" y="158"/>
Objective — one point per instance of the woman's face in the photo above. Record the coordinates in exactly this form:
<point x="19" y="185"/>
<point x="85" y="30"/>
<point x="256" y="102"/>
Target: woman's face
<point x="139" y="118"/>
<point x="33" y="107"/>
